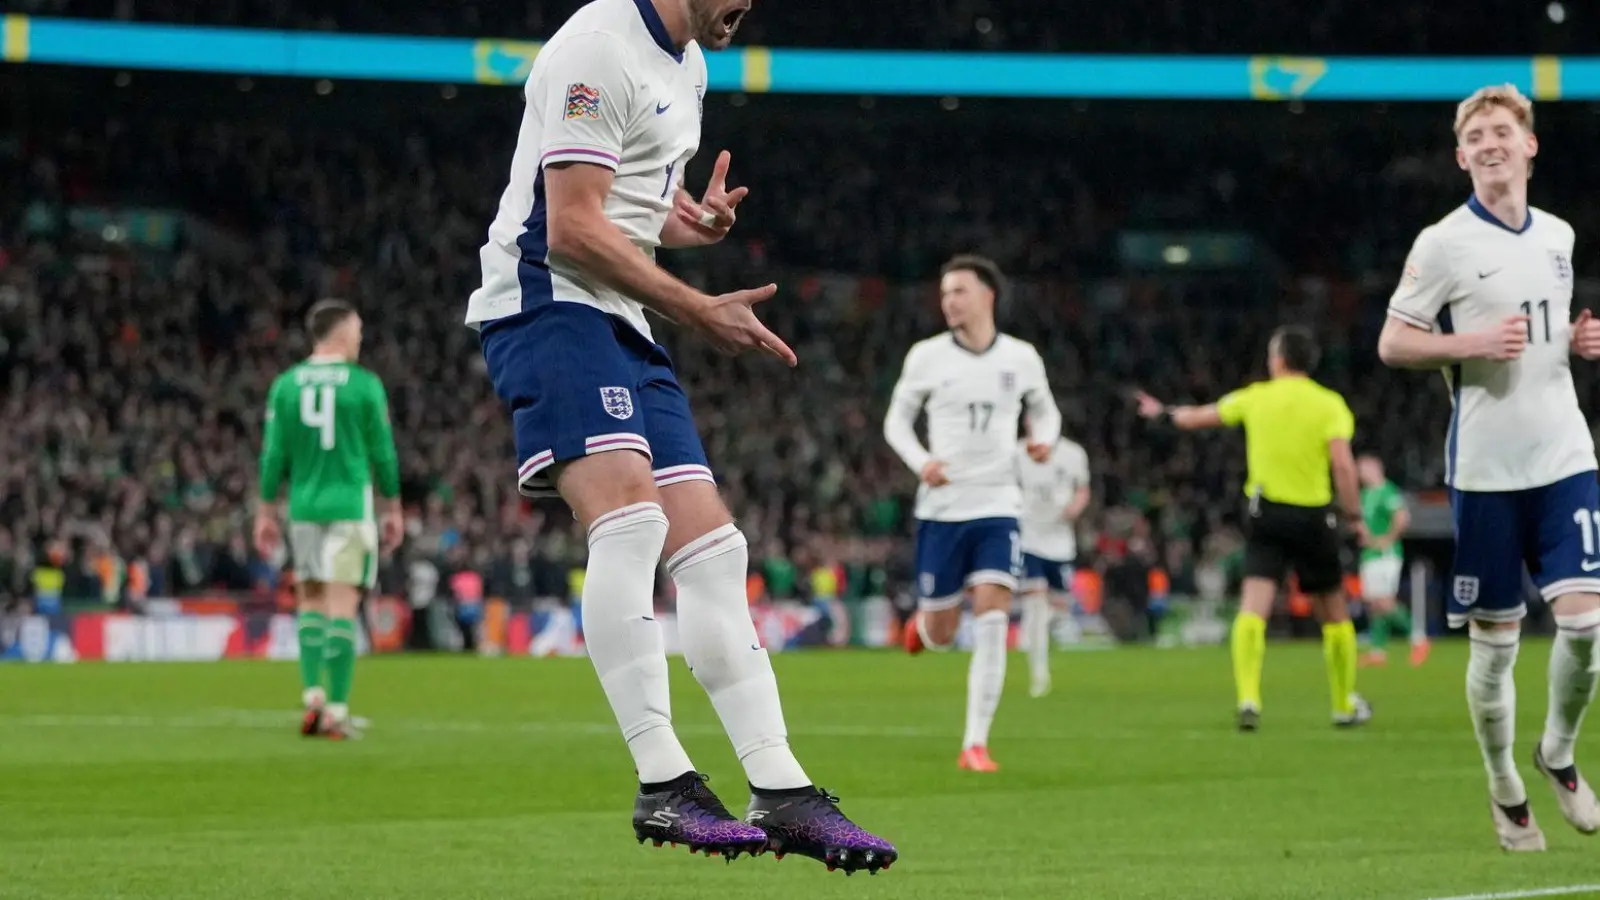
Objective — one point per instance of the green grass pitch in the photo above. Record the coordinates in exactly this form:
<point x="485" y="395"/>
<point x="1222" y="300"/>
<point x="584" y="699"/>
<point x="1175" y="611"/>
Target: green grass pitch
<point x="506" y="779"/>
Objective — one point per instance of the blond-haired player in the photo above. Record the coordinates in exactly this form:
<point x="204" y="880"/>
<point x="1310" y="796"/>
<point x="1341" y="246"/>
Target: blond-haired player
<point x="1486" y="297"/>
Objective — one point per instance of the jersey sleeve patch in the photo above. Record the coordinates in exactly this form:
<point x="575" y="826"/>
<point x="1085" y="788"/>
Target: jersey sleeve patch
<point x="583" y="101"/>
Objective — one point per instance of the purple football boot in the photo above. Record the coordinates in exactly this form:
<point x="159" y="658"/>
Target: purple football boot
<point x="809" y="823"/>
<point x="686" y="812"/>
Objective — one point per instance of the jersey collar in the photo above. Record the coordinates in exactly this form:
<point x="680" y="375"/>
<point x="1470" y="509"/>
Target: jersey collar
<point x="657" y="28"/>
<point x="1482" y="212"/>
<point x="964" y="348"/>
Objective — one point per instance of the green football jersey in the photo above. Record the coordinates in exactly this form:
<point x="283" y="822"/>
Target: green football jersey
<point x="328" y="434"/>
<point x="1378" y="508"/>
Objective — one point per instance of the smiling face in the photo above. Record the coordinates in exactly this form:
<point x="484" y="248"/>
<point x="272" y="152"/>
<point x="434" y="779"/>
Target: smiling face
<point x="1495" y="143"/>
<point x="712" y="23"/>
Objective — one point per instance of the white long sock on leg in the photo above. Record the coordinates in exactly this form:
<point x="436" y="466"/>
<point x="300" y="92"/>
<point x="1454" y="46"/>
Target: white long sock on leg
<point x="1573" y="669"/>
<point x="1492" y="699"/>
<point x="725" y="654"/>
<point x="1036" y="632"/>
<point x="986" y="677"/>
<point x="624" y="638"/>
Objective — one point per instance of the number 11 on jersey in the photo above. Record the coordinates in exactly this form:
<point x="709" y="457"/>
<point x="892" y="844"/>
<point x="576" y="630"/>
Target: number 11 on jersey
<point x="1544" y="310"/>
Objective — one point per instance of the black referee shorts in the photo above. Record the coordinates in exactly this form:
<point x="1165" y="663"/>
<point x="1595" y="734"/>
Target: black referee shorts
<point x="1305" y="538"/>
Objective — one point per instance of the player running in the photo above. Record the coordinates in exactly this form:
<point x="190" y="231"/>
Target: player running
<point x="1486" y="297"/>
<point x="1297" y="444"/>
<point x="327" y="433"/>
<point x="1384" y="513"/>
<point x="973" y="382"/>
<point x="1055" y="493"/>
<point x="611" y="121"/>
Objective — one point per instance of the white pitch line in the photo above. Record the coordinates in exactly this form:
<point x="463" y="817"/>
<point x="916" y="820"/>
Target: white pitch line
<point x="1567" y="891"/>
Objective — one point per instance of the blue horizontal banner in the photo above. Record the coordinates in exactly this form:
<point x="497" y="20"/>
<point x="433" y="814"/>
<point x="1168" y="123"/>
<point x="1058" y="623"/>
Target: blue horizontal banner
<point x="31" y="39"/>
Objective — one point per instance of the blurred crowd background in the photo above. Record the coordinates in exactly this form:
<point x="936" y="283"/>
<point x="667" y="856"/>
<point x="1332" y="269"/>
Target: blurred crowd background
<point x="161" y="235"/>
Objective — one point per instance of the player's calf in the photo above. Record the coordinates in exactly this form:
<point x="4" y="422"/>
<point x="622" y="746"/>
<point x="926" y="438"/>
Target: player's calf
<point x="1573" y="667"/>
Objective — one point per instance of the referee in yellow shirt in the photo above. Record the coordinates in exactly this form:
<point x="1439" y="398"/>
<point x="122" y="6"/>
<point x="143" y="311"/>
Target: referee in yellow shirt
<point x="1296" y="430"/>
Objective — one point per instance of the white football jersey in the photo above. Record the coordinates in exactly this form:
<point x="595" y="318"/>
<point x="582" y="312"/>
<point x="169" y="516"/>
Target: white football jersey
<point x="608" y="89"/>
<point x="1516" y="425"/>
<point x="974" y="402"/>
<point x="1048" y="488"/>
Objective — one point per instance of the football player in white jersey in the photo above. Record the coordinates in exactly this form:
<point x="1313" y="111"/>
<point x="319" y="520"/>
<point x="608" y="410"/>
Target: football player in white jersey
<point x="612" y="117"/>
<point x="1486" y="297"/>
<point x="973" y="382"/>
<point x="1055" y="493"/>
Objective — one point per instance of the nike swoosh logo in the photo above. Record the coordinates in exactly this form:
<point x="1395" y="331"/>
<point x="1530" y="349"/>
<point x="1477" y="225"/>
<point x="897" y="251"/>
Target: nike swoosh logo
<point x="1590" y="566"/>
<point x="1482" y="275"/>
<point x="661" y="109"/>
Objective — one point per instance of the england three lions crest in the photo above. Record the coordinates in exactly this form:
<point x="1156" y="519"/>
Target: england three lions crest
<point x="618" y="402"/>
<point x="1561" y="264"/>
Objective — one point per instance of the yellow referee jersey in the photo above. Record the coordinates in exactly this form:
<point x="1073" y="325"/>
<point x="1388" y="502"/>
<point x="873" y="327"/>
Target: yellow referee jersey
<point x="1288" y="423"/>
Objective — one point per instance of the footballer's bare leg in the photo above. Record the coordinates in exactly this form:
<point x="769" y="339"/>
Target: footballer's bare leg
<point x="614" y="495"/>
<point x="986" y="674"/>
<point x="1573" y="668"/>
<point x="708" y="560"/>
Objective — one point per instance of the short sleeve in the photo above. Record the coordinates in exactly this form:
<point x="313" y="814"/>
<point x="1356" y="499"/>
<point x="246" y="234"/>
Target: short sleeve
<point x="1425" y="284"/>
<point x="1342" y="422"/>
<point x="586" y="101"/>
<point x="1233" y="407"/>
<point x="916" y="378"/>
<point x="1395" y="501"/>
<point x="1078" y="465"/>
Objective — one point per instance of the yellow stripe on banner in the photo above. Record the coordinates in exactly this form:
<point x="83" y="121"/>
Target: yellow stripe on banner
<point x="1547" y="78"/>
<point x="757" y="70"/>
<point x="14" y="38"/>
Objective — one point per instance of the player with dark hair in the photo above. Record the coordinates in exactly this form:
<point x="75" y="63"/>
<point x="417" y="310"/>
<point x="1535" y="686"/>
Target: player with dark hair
<point x="328" y="435"/>
<point x="1296" y="430"/>
<point x="973" y="382"/>
<point x="610" y="121"/>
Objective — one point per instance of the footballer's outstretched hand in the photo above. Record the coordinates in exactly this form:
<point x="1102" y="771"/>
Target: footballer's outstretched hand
<point x="730" y="324"/>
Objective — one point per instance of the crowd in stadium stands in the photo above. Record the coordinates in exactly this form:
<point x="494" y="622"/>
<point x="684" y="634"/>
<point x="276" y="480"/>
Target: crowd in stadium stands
<point x="133" y="379"/>
<point x="1137" y="26"/>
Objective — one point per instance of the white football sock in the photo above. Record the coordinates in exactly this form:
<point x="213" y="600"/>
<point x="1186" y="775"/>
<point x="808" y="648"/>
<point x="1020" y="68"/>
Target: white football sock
<point x="986" y="677"/>
<point x="624" y="638"/>
<point x="1036" y="632"/>
<point x="1572" y="681"/>
<point x="725" y="654"/>
<point x="1492" y="699"/>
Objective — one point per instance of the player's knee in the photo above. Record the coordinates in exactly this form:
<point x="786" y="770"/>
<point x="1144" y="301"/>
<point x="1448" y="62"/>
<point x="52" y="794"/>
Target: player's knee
<point x="1572" y="605"/>
<point x="596" y="485"/>
<point x="341" y="601"/>
<point x="990" y="597"/>
<point x="940" y="626"/>
<point x="1333" y="607"/>
<point x="696" y="511"/>
<point x="1257" y="596"/>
